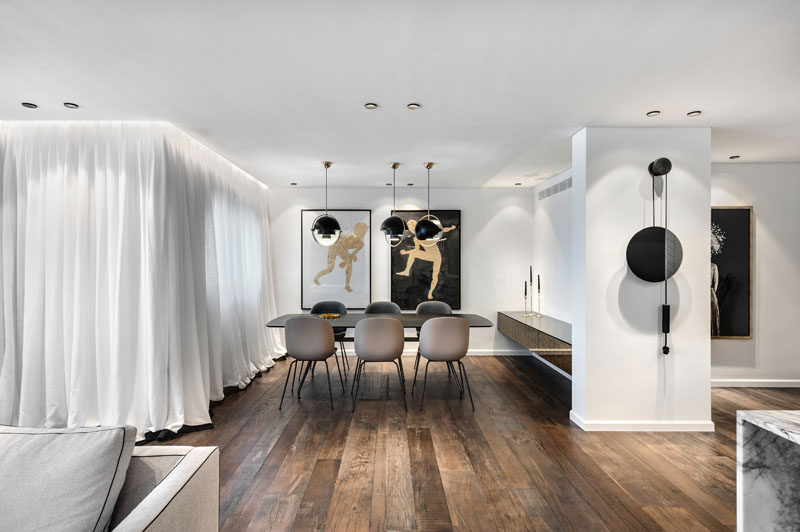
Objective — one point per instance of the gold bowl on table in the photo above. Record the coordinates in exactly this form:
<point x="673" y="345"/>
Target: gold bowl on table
<point x="329" y="315"/>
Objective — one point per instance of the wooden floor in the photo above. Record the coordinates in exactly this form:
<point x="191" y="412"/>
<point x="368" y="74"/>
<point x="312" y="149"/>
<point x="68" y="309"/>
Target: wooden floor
<point x="516" y="463"/>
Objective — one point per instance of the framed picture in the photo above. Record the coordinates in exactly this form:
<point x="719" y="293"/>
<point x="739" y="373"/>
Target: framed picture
<point x="343" y="271"/>
<point x="731" y="272"/>
<point x="423" y="272"/>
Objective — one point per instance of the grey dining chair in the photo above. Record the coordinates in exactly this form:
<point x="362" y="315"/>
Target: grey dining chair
<point x="309" y="340"/>
<point x="445" y="340"/>
<point x="325" y="307"/>
<point x="379" y="340"/>
<point x="437" y="308"/>
<point x="382" y="307"/>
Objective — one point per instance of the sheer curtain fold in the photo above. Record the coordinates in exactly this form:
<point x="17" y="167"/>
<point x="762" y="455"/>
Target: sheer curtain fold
<point x="135" y="277"/>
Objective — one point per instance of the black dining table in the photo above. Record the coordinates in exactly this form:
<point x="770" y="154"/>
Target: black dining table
<point x="410" y="321"/>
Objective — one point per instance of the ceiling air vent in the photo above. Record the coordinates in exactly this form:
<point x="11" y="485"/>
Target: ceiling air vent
<point x="555" y="189"/>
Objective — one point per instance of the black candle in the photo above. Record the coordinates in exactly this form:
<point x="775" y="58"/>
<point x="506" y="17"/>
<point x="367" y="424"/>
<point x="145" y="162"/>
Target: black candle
<point x="538" y="282"/>
<point x="526" y="288"/>
<point x="531" y="276"/>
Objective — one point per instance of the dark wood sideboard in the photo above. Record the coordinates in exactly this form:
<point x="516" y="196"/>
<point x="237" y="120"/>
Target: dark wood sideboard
<point x="548" y="337"/>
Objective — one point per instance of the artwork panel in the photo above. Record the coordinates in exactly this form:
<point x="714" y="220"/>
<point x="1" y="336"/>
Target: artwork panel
<point x="731" y="272"/>
<point x="324" y="269"/>
<point x="410" y="287"/>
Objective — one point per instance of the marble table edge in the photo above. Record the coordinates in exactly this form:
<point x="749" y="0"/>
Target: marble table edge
<point x="784" y="423"/>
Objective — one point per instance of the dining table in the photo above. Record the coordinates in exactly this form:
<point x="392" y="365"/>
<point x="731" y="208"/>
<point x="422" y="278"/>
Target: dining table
<point x="409" y="320"/>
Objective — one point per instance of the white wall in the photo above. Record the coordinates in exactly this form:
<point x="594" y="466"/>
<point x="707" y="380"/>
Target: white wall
<point x="552" y="248"/>
<point x="495" y="245"/>
<point x="770" y="358"/>
<point x="620" y="378"/>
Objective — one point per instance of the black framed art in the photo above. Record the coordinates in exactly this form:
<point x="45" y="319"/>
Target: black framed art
<point x="731" y="272"/>
<point x="424" y="271"/>
<point x="343" y="271"/>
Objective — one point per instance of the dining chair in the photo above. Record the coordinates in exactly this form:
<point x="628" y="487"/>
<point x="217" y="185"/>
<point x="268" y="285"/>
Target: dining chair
<point x="309" y="340"/>
<point x="445" y="340"/>
<point x="438" y="308"/>
<point x="382" y="307"/>
<point x="379" y="340"/>
<point x="337" y="307"/>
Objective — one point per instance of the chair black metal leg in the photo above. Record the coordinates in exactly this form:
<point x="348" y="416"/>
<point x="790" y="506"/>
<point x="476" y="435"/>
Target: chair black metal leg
<point x="355" y="377"/>
<point x="402" y="373"/>
<point x="451" y="372"/>
<point x="294" y="377"/>
<point x="340" y="372"/>
<point x="344" y="355"/>
<point x="424" y="383"/>
<point x="328" y="373"/>
<point x="303" y="379"/>
<point x="416" y="362"/>
<point x="285" y="384"/>
<point x="466" y="380"/>
<point x="461" y="373"/>
<point x="313" y="367"/>
<point x="359" y="371"/>
<point x="336" y="356"/>
<point x="416" y="369"/>
<point x="402" y="387"/>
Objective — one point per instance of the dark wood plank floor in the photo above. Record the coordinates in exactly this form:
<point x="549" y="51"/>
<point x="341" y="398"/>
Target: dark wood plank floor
<point x="516" y="463"/>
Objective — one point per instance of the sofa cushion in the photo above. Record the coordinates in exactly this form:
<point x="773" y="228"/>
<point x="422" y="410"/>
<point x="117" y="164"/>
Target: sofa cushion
<point x="62" y="479"/>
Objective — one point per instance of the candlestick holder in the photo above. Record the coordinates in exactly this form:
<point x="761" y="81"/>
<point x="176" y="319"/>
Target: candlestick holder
<point x="525" y="313"/>
<point x="534" y="314"/>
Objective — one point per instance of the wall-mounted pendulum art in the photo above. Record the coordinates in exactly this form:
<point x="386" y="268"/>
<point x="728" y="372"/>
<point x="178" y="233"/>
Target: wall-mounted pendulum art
<point x="654" y="254"/>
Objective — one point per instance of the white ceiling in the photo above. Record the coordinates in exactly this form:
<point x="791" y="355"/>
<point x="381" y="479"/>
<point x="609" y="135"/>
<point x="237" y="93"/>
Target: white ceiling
<point x="278" y="87"/>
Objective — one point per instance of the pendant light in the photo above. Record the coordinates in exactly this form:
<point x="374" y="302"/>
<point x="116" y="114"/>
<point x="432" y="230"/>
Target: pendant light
<point x="326" y="228"/>
<point x="393" y="227"/>
<point x="429" y="228"/>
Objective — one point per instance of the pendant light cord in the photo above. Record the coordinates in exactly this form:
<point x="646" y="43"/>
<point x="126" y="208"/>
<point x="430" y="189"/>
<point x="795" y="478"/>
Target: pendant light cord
<point x="429" y="191"/>
<point x="394" y="190"/>
<point x="326" y="191"/>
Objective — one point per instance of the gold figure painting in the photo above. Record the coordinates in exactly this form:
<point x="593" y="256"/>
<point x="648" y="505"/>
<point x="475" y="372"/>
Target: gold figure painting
<point x="427" y="270"/>
<point x="340" y="272"/>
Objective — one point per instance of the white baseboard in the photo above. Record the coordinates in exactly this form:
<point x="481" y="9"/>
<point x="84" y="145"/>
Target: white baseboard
<point x="755" y="383"/>
<point x="642" y="425"/>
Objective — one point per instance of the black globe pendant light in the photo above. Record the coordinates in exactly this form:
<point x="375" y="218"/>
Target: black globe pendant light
<point x="429" y="229"/>
<point x="393" y="227"/>
<point x="326" y="228"/>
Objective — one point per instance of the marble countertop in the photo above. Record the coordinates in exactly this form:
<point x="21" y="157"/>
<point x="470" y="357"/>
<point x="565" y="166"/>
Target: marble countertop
<point x="784" y="423"/>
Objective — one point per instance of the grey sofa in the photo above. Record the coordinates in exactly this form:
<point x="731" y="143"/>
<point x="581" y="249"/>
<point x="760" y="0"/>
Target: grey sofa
<point x="94" y="478"/>
<point x="169" y="488"/>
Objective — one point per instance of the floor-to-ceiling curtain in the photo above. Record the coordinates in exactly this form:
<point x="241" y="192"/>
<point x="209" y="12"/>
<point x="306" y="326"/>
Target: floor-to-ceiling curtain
<point x="135" y="278"/>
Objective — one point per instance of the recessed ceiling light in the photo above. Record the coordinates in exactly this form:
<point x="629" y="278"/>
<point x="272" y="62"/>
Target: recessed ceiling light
<point x="411" y="184"/>
<point x="734" y="157"/>
<point x="694" y="113"/>
<point x="388" y="184"/>
<point x="70" y="105"/>
<point x="293" y="184"/>
<point x="517" y="184"/>
<point x="29" y="105"/>
<point x="370" y="105"/>
<point x="653" y="113"/>
<point x="413" y="106"/>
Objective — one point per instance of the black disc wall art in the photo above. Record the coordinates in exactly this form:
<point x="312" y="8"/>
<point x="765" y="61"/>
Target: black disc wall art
<point x="654" y="254"/>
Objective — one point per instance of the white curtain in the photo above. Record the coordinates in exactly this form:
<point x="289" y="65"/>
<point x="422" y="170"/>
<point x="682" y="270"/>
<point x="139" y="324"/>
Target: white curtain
<point x="135" y="279"/>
